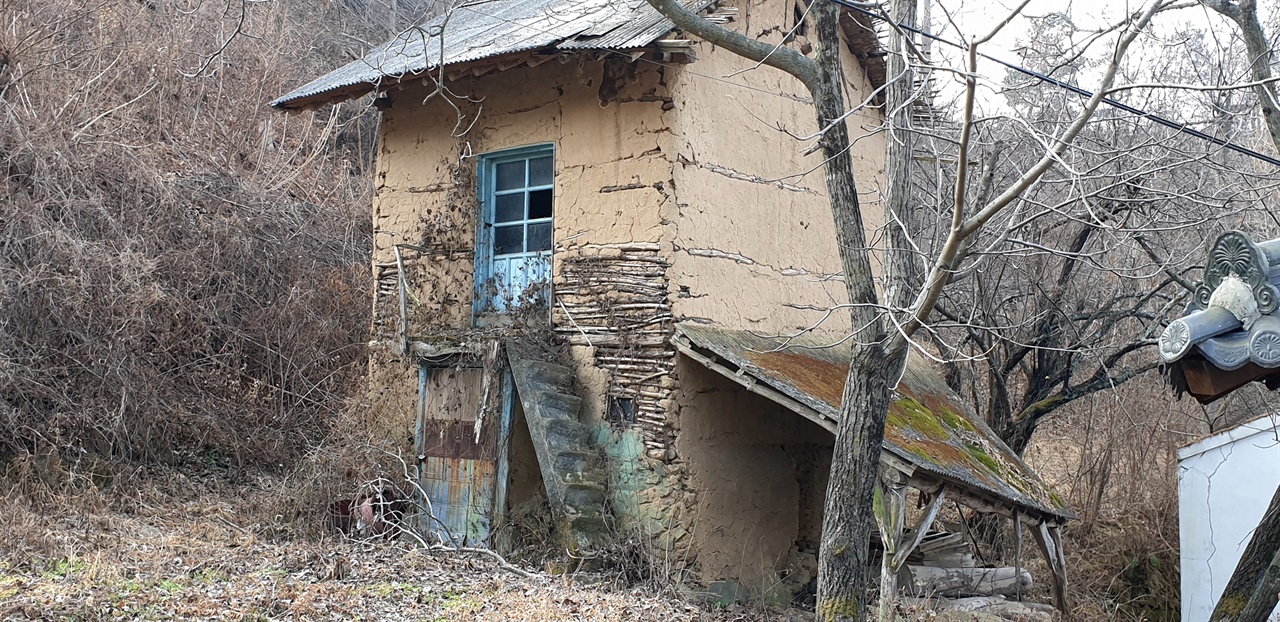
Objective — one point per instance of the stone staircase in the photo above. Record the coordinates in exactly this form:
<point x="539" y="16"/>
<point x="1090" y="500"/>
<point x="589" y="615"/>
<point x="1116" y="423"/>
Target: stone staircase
<point x="570" y="467"/>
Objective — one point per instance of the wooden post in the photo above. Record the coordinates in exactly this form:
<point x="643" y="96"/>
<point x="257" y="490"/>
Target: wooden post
<point x="889" y="506"/>
<point x="926" y="521"/>
<point x="1050" y="540"/>
<point x="1017" y="551"/>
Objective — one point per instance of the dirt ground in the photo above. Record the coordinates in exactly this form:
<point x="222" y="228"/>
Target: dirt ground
<point x="198" y="548"/>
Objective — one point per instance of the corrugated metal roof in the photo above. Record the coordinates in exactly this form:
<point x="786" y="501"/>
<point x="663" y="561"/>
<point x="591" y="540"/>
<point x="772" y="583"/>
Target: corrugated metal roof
<point x="490" y="28"/>
<point x="928" y="425"/>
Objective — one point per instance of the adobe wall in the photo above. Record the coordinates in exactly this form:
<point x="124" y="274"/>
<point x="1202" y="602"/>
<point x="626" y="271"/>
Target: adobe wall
<point x="753" y="237"/>
<point x="609" y="174"/>
<point x="760" y="473"/>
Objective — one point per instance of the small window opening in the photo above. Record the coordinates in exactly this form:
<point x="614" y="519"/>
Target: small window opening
<point x="622" y="410"/>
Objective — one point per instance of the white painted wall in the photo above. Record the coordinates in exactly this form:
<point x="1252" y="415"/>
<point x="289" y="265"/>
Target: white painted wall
<point x="1224" y="485"/>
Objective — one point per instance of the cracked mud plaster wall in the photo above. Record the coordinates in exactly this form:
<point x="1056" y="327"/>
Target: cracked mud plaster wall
<point x="752" y="253"/>
<point x="761" y="477"/>
<point x="761" y="255"/>
<point x="609" y="179"/>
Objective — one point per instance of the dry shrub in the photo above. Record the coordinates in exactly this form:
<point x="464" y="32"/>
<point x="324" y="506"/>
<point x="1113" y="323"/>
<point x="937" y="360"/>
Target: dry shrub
<point x="1113" y="455"/>
<point x="185" y="270"/>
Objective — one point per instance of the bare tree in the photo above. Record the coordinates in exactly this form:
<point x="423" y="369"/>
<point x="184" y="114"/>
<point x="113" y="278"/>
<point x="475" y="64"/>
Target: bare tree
<point x="844" y="578"/>
<point x="1259" y="54"/>
<point x="175" y="279"/>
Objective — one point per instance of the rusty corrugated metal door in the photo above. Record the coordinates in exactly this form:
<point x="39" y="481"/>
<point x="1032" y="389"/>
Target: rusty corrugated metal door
<point x="460" y="440"/>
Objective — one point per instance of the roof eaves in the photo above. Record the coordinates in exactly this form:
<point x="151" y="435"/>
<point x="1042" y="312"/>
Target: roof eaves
<point x="501" y="28"/>
<point x="928" y="426"/>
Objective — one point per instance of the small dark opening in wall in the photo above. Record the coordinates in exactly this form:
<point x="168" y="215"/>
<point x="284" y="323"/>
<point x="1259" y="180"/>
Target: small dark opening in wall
<point x="622" y="410"/>
<point x="801" y="28"/>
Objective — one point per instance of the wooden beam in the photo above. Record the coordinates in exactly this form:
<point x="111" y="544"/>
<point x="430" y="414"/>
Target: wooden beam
<point x="926" y="521"/>
<point x="1050" y="540"/>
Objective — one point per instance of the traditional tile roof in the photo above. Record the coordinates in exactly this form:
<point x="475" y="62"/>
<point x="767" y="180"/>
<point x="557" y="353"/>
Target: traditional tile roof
<point x="1232" y="323"/>
<point x="928" y="427"/>
<point x="481" y="30"/>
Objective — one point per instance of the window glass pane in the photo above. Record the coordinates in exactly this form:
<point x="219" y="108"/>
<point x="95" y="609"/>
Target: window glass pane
<point x="540" y="172"/>
<point x="507" y="240"/>
<point x="508" y="207"/>
<point x="540" y="204"/>
<point x="540" y="237"/>
<point x="510" y="175"/>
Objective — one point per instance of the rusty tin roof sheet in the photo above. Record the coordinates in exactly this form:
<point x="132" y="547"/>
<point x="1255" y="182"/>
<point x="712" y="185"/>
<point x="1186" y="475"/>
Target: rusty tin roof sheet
<point x="928" y="425"/>
<point x="483" y="29"/>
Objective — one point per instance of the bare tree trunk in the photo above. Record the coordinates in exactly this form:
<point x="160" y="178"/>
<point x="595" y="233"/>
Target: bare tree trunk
<point x="845" y="572"/>
<point x="1251" y="594"/>
<point x="904" y="273"/>
<point x="1245" y="15"/>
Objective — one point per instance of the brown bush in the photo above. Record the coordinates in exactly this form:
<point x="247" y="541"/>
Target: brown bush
<point x="1113" y="455"/>
<point x="184" y="270"/>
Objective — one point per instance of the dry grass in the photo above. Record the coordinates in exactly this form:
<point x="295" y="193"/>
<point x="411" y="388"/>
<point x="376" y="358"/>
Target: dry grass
<point x="1113" y="456"/>
<point x="191" y="546"/>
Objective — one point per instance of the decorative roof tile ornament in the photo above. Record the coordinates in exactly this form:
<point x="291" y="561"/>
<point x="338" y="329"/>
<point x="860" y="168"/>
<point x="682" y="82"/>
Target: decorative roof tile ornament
<point x="1234" y="254"/>
<point x="1229" y="334"/>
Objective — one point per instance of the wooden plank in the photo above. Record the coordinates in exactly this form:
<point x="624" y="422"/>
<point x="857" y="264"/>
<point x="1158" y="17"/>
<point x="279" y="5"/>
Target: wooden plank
<point x="1052" y="550"/>
<point x="926" y="521"/>
<point x="889" y="507"/>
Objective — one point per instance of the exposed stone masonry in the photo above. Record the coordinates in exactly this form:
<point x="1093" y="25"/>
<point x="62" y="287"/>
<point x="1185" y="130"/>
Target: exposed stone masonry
<point x="613" y="298"/>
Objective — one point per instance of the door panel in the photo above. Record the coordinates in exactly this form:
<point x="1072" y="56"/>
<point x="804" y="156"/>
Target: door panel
<point x="458" y="439"/>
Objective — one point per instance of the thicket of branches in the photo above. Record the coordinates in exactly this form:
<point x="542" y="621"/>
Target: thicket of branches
<point x="1066" y="295"/>
<point x="183" y="269"/>
<point x="1050" y="332"/>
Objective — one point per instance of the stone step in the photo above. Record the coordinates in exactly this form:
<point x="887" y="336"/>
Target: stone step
<point x="558" y="405"/>
<point x="570" y="470"/>
<point x="570" y="461"/>
<point x="550" y="375"/>
<point x="561" y="434"/>
<point x="584" y="498"/>
<point x="592" y="531"/>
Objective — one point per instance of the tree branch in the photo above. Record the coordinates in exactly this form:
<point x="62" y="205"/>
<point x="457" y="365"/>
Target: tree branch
<point x="779" y="57"/>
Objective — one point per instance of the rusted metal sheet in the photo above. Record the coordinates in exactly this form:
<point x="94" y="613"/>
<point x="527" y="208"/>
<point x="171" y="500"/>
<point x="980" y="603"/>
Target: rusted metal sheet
<point x="457" y="439"/>
<point x="461" y="493"/>
<point x="928" y="425"/>
<point x="483" y="30"/>
<point x="453" y="421"/>
<point x="460" y="440"/>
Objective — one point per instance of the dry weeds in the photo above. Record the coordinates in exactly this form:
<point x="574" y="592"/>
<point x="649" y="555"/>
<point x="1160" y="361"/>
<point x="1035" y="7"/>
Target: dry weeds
<point x="192" y="546"/>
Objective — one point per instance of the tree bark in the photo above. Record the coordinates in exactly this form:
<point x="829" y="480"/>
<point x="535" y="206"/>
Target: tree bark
<point x="905" y="270"/>
<point x="1245" y="15"/>
<point x="1251" y="593"/>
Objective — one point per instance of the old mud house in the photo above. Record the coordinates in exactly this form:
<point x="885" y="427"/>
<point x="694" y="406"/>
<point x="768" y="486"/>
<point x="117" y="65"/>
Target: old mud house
<point x="587" y="227"/>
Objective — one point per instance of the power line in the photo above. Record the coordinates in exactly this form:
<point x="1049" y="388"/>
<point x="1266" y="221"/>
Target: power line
<point x="1181" y="127"/>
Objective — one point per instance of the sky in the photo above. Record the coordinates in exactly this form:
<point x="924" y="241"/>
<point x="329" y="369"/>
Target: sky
<point x="952" y="17"/>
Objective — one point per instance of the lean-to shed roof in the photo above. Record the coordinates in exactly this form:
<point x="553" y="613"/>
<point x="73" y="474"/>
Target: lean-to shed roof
<point x="928" y="427"/>
<point x="479" y="30"/>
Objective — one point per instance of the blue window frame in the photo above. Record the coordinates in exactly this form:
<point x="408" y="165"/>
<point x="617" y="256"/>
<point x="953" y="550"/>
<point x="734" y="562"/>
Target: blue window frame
<point x="513" y="262"/>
